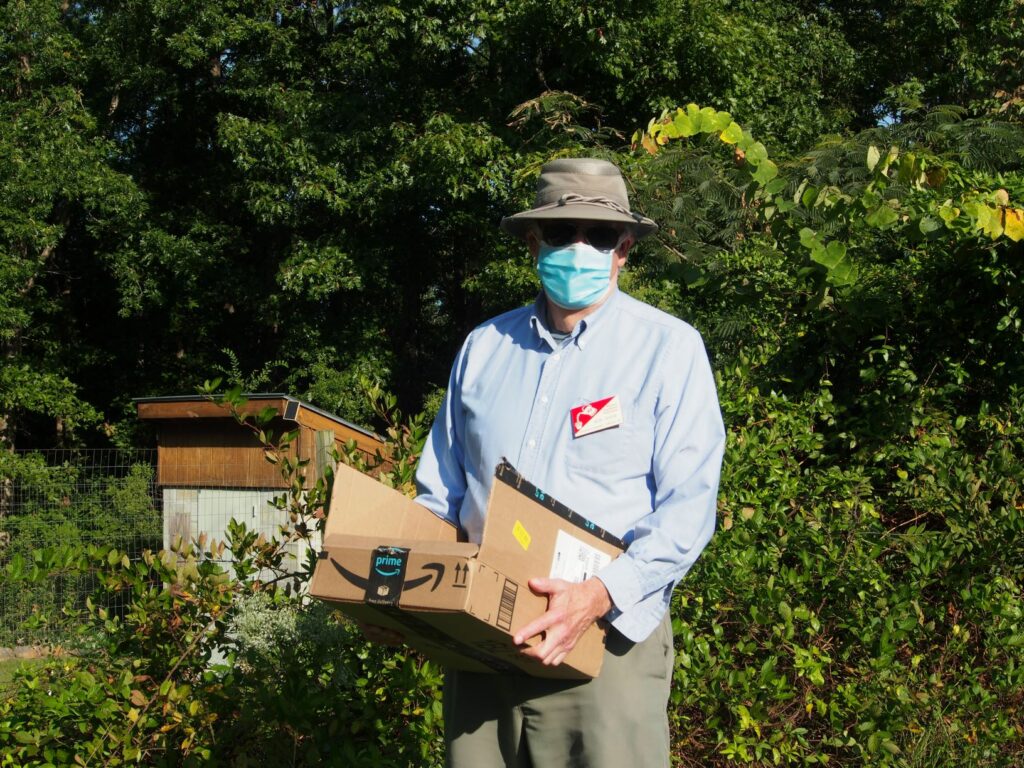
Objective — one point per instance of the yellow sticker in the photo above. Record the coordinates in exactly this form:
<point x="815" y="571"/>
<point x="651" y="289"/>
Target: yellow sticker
<point x="521" y="534"/>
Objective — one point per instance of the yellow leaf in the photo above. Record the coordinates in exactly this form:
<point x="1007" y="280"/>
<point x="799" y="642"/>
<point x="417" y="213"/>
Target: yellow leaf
<point x="1013" y="224"/>
<point x="732" y="134"/>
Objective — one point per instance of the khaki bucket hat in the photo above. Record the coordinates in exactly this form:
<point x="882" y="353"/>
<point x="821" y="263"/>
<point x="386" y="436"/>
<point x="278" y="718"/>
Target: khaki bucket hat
<point x="580" y="188"/>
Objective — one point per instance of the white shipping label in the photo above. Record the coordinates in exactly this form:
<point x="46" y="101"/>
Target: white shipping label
<point x="575" y="560"/>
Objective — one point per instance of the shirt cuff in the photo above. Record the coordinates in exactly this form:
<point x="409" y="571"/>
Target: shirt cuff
<point x="621" y="577"/>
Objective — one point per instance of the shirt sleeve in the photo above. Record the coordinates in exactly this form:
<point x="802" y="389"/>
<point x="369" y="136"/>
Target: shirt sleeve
<point x="441" y="473"/>
<point x="689" y="441"/>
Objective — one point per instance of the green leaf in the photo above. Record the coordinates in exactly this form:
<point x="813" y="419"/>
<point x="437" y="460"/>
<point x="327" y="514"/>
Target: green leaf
<point x="756" y="153"/>
<point x="684" y="124"/>
<point x="843" y="273"/>
<point x="874" y="741"/>
<point x="694" y="277"/>
<point x="722" y="121"/>
<point x="990" y="221"/>
<point x="830" y="255"/>
<point x="766" y="171"/>
<point x="948" y="213"/>
<point x="708" y="120"/>
<point x="883" y="216"/>
<point x="808" y="237"/>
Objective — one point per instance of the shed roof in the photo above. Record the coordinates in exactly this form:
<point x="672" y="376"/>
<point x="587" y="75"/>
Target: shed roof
<point x="201" y="407"/>
<point x="200" y="445"/>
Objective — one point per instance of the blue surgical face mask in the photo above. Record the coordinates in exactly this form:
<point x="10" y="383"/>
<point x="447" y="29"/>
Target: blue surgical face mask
<point x="575" y="275"/>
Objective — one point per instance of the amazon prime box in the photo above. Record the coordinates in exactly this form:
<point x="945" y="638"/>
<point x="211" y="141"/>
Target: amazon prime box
<point x="387" y="560"/>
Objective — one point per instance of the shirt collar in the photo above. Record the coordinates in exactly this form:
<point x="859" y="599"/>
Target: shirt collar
<point x="579" y="335"/>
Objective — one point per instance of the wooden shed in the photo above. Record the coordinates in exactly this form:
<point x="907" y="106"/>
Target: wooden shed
<point x="210" y="469"/>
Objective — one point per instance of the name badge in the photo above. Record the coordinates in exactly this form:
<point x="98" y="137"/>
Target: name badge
<point x="596" y="416"/>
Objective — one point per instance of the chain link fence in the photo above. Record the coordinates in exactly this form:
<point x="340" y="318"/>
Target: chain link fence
<point x="69" y="497"/>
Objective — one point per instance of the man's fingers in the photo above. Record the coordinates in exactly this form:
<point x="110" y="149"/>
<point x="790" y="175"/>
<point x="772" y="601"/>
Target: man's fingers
<point x="546" y="650"/>
<point x="542" y="586"/>
<point x="556" y="645"/>
<point x="535" y="627"/>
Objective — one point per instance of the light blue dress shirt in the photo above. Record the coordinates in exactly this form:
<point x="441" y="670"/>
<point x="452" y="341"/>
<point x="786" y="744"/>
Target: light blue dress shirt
<point x="652" y="480"/>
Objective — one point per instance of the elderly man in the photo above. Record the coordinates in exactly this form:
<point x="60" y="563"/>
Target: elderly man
<point x="609" y="405"/>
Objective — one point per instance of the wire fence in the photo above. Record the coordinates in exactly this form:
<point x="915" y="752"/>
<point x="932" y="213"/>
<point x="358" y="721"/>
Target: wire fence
<point x="57" y="498"/>
<point x="72" y="497"/>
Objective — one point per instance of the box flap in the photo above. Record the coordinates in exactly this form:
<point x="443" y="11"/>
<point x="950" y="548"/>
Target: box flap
<point x="362" y="506"/>
<point x="528" y="533"/>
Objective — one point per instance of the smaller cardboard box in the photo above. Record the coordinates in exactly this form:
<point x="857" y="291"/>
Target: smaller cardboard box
<point x="387" y="560"/>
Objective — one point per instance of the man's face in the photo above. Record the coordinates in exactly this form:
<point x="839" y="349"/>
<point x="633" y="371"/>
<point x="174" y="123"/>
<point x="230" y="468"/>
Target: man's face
<point x="602" y="235"/>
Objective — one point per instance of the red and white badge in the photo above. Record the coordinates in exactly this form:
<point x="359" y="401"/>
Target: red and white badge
<point x="596" y="416"/>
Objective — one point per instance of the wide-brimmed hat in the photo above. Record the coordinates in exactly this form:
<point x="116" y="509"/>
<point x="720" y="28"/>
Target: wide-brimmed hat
<point x="580" y="188"/>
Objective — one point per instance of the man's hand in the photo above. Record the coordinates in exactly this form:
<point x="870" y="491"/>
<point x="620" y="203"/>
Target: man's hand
<point x="572" y="608"/>
<point x="380" y="635"/>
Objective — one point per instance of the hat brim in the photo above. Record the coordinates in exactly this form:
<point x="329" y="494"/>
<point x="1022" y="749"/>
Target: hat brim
<point x="519" y="224"/>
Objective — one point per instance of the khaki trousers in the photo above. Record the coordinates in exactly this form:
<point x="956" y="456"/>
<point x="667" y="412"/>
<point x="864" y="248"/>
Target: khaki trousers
<point x="617" y="719"/>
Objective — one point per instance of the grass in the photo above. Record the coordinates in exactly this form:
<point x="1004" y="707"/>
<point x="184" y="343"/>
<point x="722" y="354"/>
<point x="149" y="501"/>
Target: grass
<point x="9" y="666"/>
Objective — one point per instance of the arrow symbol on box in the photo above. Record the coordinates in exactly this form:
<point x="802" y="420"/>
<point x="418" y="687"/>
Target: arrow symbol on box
<point x="362" y="583"/>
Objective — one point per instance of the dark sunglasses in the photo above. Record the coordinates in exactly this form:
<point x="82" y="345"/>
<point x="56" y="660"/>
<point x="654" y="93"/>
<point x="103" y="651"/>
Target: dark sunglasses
<point x="604" y="237"/>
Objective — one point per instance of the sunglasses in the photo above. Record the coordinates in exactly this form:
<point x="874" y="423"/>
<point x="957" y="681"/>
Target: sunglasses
<point x="604" y="237"/>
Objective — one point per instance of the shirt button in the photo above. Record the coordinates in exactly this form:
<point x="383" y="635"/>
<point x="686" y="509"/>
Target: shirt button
<point x="543" y="398"/>
<point x="555" y="358"/>
<point x="532" y="444"/>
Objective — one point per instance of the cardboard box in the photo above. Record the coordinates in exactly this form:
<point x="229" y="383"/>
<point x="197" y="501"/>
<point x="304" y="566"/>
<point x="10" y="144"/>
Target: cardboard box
<point x="387" y="560"/>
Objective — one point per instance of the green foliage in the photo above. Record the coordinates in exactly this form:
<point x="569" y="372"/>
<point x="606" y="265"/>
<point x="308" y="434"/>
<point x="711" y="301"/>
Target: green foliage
<point x="315" y="188"/>
<point x="861" y="613"/>
<point x="199" y="666"/>
<point x="861" y="603"/>
<point x="74" y="507"/>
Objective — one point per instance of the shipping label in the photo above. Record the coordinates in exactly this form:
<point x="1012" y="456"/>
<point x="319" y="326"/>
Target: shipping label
<point x="575" y="560"/>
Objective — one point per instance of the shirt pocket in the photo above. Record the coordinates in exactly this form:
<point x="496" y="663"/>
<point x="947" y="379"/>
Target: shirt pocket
<point x="618" y="453"/>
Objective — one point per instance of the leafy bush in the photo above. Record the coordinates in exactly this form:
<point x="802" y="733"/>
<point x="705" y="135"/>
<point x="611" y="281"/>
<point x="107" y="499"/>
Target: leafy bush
<point x="861" y="603"/>
<point x="202" y="667"/>
<point x="837" y="618"/>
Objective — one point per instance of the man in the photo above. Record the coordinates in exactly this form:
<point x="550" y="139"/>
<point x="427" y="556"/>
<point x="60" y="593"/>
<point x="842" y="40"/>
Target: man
<point x="527" y="385"/>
